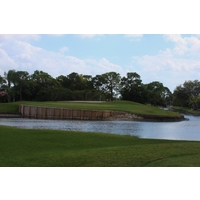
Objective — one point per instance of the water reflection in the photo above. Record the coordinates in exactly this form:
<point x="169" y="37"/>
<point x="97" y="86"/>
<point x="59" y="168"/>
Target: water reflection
<point x="185" y="130"/>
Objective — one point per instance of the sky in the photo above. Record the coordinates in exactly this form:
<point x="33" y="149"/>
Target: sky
<point x="170" y="59"/>
<point x="159" y="40"/>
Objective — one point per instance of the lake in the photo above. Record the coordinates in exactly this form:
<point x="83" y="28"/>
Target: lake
<point x="184" y="130"/>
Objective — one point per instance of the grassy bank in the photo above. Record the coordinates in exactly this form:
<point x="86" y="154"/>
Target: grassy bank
<point x="9" y="107"/>
<point x="126" y="106"/>
<point x="21" y="147"/>
<point x="186" y="110"/>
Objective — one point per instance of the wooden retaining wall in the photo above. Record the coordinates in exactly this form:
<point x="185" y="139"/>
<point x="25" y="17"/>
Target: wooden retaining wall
<point x="38" y="112"/>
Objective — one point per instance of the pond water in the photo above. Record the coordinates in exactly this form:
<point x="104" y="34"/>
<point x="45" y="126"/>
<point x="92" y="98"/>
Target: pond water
<point x="184" y="130"/>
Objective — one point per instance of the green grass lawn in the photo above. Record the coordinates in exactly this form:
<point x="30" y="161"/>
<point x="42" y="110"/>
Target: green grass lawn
<point x="126" y="106"/>
<point x="29" y="147"/>
<point x="187" y="110"/>
<point x="9" y="107"/>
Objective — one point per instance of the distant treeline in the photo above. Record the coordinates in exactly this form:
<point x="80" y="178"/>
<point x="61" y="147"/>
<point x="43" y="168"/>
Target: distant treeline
<point x="40" y="86"/>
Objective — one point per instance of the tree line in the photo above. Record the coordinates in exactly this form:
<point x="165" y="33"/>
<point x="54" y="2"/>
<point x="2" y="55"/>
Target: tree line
<point x="187" y="95"/>
<point x="40" y="86"/>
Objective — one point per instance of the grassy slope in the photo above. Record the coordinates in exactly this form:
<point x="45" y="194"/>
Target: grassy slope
<point x="126" y="106"/>
<point x="9" y="107"/>
<point x="186" y="110"/>
<point x="21" y="147"/>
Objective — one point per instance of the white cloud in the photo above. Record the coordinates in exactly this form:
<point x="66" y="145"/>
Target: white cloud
<point x="83" y="36"/>
<point x="56" y="35"/>
<point x="184" y="45"/>
<point x="21" y="55"/>
<point x="184" y="56"/>
<point x="19" y="37"/>
<point x="6" y="62"/>
<point x="134" y="37"/>
<point x="103" y="66"/>
<point x="180" y="63"/>
<point x="164" y="62"/>
<point x="172" y="66"/>
<point x="88" y="36"/>
<point x="63" y="50"/>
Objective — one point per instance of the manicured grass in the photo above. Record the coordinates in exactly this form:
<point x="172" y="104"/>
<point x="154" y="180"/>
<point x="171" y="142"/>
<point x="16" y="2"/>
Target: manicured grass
<point x="9" y="107"/>
<point x="127" y="106"/>
<point x="186" y="110"/>
<point x="26" y="147"/>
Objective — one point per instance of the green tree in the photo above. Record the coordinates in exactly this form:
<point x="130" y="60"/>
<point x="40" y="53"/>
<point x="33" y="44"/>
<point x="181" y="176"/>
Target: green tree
<point x="43" y="86"/>
<point x="158" y="94"/>
<point x="131" y="79"/>
<point x="79" y="85"/>
<point x="2" y="82"/>
<point x="10" y="80"/>
<point x="97" y="82"/>
<point x="180" y="97"/>
<point x="75" y="82"/>
<point x="20" y="81"/>
<point x="3" y="95"/>
<point x="63" y="80"/>
<point x="87" y="82"/>
<point x="187" y="95"/>
<point x="132" y="88"/>
<point x="108" y="83"/>
<point x="17" y="85"/>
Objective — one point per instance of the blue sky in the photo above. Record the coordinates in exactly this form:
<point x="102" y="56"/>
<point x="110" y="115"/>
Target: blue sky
<point x="168" y="58"/>
<point x="154" y="52"/>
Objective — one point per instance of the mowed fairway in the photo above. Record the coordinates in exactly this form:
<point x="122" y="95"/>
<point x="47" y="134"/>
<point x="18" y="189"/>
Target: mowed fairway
<point x="50" y="148"/>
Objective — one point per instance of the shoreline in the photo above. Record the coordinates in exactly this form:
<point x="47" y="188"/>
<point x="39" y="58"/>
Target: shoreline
<point x="10" y="115"/>
<point x="182" y="111"/>
<point x="121" y="117"/>
<point x="133" y="117"/>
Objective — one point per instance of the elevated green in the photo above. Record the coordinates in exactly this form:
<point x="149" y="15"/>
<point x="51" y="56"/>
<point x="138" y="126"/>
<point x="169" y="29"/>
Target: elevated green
<point x="126" y="106"/>
<point x="9" y="107"/>
<point x="23" y="147"/>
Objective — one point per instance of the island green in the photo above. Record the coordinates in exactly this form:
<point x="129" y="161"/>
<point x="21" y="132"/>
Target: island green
<point x="126" y="106"/>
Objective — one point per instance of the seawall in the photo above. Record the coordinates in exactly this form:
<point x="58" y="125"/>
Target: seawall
<point x="39" y="112"/>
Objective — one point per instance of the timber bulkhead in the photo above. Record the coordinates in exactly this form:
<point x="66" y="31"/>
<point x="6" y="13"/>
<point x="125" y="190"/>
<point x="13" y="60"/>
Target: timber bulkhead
<point x="39" y="112"/>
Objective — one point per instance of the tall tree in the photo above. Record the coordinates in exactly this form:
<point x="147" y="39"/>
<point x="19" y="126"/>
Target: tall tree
<point x="131" y="79"/>
<point x="132" y="88"/>
<point x="87" y="82"/>
<point x="3" y="94"/>
<point x="187" y="95"/>
<point x="63" y="80"/>
<point x="158" y="94"/>
<point x="108" y="83"/>
<point x="10" y="79"/>
<point x="112" y="84"/>
<point x="98" y="81"/>
<point x="43" y="86"/>
<point x="20" y="81"/>
<point x="75" y="81"/>
<point x="2" y="82"/>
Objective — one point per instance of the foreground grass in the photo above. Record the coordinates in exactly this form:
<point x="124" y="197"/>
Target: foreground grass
<point x="24" y="147"/>
<point x="126" y="106"/>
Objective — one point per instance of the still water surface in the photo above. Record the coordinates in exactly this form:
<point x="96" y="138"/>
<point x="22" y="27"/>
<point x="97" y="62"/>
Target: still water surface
<point x="184" y="130"/>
